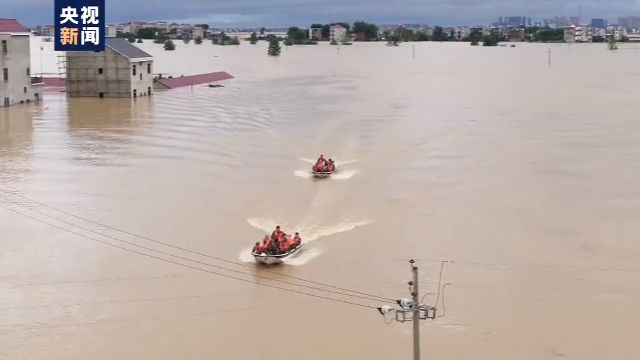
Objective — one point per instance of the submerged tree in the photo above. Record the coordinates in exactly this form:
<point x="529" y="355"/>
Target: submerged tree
<point x="198" y="40"/>
<point x="169" y="45"/>
<point x="274" y="47"/>
<point x="253" y="38"/>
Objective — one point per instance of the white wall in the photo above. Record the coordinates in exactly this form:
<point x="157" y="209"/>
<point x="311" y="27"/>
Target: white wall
<point x="142" y="81"/>
<point x="17" y="60"/>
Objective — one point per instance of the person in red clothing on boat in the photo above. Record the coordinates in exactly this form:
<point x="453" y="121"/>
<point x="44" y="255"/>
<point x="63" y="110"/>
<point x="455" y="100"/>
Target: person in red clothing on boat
<point x="296" y="240"/>
<point x="277" y="233"/>
<point x="320" y="163"/>
<point x="331" y="167"/>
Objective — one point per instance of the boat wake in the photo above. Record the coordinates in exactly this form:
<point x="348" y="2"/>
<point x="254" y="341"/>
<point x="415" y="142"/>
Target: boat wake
<point x="309" y="233"/>
<point x="344" y="174"/>
<point x="338" y="175"/>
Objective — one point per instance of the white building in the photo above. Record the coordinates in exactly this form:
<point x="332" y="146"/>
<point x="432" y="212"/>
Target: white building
<point x="121" y="70"/>
<point x="112" y="31"/>
<point x="197" y="32"/>
<point x="337" y="32"/>
<point x="315" y="33"/>
<point x="15" y="63"/>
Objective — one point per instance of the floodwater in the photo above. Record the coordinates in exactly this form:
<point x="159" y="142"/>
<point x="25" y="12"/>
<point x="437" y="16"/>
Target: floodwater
<point x="524" y="176"/>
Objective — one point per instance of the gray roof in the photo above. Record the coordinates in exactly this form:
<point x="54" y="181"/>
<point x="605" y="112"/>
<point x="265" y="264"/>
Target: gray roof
<point x="125" y="48"/>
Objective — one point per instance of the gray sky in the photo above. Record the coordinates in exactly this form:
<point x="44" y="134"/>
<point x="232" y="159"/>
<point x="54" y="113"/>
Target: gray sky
<point x="303" y="12"/>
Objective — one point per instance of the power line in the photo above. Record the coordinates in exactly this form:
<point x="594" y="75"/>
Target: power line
<point x="195" y="261"/>
<point x="377" y="298"/>
<point x="186" y="265"/>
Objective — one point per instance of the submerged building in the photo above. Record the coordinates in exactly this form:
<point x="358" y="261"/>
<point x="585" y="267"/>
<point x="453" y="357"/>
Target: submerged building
<point x="121" y="70"/>
<point x="16" y="84"/>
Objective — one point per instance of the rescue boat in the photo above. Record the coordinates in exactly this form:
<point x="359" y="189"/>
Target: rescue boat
<point x="321" y="172"/>
<point x="271" y="255"/>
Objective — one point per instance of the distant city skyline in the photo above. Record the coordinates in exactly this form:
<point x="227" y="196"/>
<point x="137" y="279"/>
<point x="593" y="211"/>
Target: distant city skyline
<point x="280" y="13"/>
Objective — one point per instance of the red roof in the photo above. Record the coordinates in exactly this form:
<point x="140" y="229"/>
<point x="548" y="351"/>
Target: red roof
<point x="54" y="82"/>
<point x="177" y="82"/>
<point x="11" y="26"/>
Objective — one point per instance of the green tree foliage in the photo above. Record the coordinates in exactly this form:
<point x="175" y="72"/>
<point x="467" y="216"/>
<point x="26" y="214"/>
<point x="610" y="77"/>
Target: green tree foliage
<point x="169" y="45"/>
<point x="262" y="30"/>
<point x="288" y="42"/>
<point x="439" y="34"/>
<point x="274" y="47"/>
<point x="370" y="31"/>
<point x="333" y="42"/>
<point x="139" y="41"/>
<point x="549" y="35"/>
<point x="491" y="40"/>
<point x="198" y="40"/>
<point x="148" y="33"/>
<point x="421" y="36"/>
<point x="297" y="35"/>
<point x="475" y="37"/>
<point x="253" y="38"/>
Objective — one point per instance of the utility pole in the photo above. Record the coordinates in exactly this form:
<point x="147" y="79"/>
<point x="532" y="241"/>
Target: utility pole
<point x="416" y="313"/>
<point x="411" y="310"/>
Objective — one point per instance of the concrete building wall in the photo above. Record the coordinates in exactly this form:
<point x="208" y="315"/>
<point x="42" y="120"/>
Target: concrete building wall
<point x="17" y="62"/>
<point x="142" y="81"/>
<point x="92" y="73"/>
<point x="337" y="32"/>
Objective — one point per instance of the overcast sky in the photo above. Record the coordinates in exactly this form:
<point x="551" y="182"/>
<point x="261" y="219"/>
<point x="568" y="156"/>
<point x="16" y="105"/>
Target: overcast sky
<point x="303" y="12"/>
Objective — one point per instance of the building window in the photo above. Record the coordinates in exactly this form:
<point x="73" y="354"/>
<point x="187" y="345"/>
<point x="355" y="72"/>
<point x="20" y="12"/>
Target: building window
<point x="5" y="74"/>
<point x="135" y="93"/>
<point x="28" y="71"/>
<point x="6" y="101"/>
<point x="4" y="46"/>
<point x="99" y="70"/>
<point x="140" y="76"/>
<point x="149" y="90"/>
<point x="101" y="95"/>
<point x="134" y="70"/>
<point x="25" y="89"/>
<point x="148" y="68"/>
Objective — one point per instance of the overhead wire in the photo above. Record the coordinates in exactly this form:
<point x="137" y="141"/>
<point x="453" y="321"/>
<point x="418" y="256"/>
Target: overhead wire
<point x="367" y="295"/>
<point x="187" y="265"/>
<point x="196" y="261"/>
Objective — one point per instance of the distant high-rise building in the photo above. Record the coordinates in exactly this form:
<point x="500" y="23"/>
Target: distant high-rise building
<point x="500" y="22"/>
<point x="528" y="21"/>
<point x="515" y="21"/>
<point x="599" y="23"/>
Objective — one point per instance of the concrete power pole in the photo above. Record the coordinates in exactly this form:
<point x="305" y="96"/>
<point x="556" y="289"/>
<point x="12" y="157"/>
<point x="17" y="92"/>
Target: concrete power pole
<point x="411" y="310"/>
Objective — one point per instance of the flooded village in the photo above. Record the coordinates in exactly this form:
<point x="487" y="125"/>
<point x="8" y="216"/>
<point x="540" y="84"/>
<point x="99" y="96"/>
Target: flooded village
<point x="135" y="181"/>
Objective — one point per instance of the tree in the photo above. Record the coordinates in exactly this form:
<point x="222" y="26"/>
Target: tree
<point x="421" y="36"/>
<point x="234" y="41"/>
<point x="439" y="34"/>
<point x="147" y="33"/>
<point x="274" y="47"/>
<point x="288" y="42"/>
<point x="370" y="31"/>
<point x="131" y="38"/>
<point x="139" y="41"/>
<point x="491" y="40"/>
<point x="198" y="40"/>
<point x="253" y="38"/>
<point x="333" y="42"/>
<point x="548" y="34"/>
<point x="475" y="37"/>
<point x="297" y="35"/>
<point x="169" y="45"/>
<point x="262" y="30"/>
<point x="345" y="39"/>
